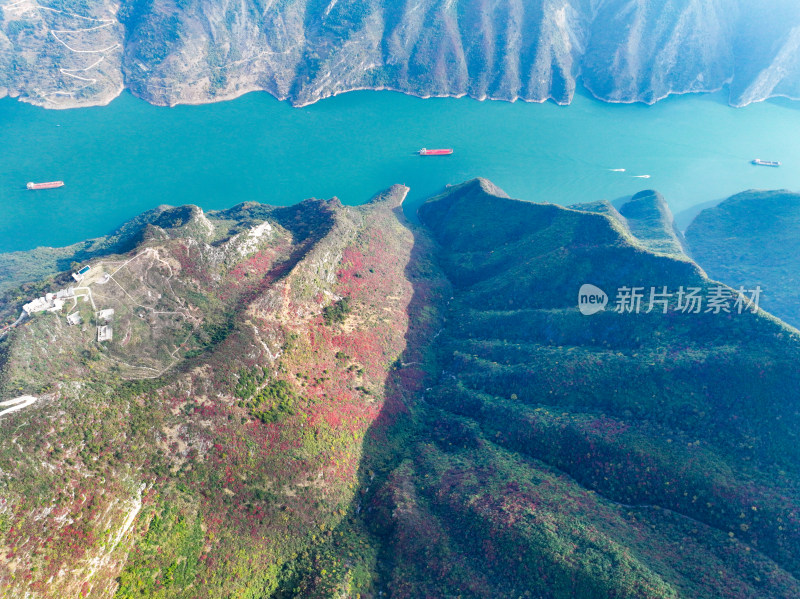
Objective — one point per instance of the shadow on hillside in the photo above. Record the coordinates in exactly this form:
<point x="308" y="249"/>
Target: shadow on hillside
<point x="308" y="222"/>
<point x="390" y="492"/>
<point x="390" y="437"/>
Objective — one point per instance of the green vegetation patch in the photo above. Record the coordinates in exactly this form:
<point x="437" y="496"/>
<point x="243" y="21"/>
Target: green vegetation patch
<point x="273" y="402"/>
<point x="168" y="556"/>
<point x="250" y="379"/>
<point x="337" y="312"/>
<point x="339" y="563"/>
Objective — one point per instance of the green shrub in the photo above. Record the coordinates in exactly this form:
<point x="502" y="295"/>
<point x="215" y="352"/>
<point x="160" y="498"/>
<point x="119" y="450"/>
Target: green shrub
<point x="337" y="312"/>
<point x="273" y="402"/>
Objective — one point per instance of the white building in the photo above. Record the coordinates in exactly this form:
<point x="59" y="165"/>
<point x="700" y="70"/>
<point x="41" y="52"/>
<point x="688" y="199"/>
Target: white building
<point x="78" y="276"/>
<point x="51" y="302"/>
<point x="37" y="305"/>
<point x="47" y="303"/>
<point x="105" y="315"/>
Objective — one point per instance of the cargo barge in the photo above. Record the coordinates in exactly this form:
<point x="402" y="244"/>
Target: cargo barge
<point x="439" y="152"/>
<point x="48" y="185"/>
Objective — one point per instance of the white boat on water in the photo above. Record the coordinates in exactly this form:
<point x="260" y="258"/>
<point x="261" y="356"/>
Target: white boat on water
<point x="759" y="162"/>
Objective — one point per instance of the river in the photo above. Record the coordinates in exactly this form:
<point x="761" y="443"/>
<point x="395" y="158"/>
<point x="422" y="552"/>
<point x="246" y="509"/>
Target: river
<point x="129" y="156"/>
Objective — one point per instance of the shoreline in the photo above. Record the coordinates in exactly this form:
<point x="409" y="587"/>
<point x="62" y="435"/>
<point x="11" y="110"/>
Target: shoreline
<point x="106" y="99"/>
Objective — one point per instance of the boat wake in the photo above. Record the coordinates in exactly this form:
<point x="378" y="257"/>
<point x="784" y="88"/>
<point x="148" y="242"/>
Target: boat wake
<point x="641" y="176"/>
<point x="617" y="170"/>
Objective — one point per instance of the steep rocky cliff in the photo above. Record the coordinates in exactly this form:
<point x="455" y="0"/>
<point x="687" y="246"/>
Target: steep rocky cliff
<point x="76" y="52"/>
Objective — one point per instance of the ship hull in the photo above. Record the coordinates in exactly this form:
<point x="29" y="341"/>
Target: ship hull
<point x="442" y="152"/>
<point x="48" y="185"/>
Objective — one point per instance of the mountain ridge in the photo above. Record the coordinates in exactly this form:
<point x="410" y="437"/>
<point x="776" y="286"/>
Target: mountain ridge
<point x="749" y="240"/>
<point x="319" y="400"/>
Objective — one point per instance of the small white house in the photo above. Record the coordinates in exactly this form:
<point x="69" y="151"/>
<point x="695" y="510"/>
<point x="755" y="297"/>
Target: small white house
<point x="104" y="333"/>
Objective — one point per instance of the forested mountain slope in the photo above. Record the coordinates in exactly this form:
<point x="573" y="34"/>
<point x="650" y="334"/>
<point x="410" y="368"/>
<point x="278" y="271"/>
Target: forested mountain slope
<point x="328" y="401"/>
<point x="68" y="52"/>
<point x="753" y="239"/>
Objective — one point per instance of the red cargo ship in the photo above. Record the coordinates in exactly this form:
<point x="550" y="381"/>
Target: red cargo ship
<point x="48" y="185"/>
<point x="442" y="152"/>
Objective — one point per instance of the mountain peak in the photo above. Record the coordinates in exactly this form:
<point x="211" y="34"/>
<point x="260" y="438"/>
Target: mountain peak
<point x="392" y="197"/>
<point x="650" y="220"/>
<point x="752" y="239"/>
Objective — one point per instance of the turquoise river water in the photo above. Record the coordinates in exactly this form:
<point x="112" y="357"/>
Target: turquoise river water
<point x="122" y="159"/>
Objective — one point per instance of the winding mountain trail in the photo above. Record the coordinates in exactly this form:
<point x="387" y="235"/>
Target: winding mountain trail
<point x="4" y="331"/>
<point x="17" y="404"/>
<point x="29" y="6"/>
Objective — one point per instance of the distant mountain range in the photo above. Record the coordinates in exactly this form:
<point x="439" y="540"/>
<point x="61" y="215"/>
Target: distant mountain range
<point x="753" y="239"/>
<point x="74" y="53"/>
<point x="323" y="401"/>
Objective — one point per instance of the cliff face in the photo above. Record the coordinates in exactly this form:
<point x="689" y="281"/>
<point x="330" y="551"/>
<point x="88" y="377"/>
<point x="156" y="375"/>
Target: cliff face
<point x="73" y="53"/>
